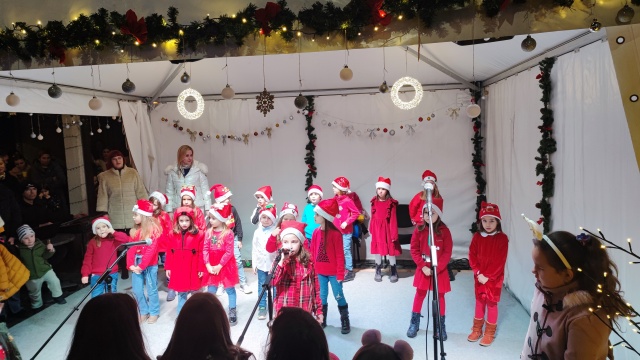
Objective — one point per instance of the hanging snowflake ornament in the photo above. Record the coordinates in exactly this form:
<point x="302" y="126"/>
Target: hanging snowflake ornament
<point x="264" y="102"/>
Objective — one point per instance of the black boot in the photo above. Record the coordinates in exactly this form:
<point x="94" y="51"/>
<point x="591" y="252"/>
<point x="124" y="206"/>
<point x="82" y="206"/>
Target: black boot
<point x="344" y="319"/>
<point x="414" y="325"/>
<point x="444" y="330"/>
<point x="378" y="276"/>
<point x="325" y="307"/>
<point x="394" y="274"/>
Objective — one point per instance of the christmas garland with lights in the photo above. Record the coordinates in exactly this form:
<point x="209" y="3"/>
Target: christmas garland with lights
<point x="477" y="162"/>
<point x="113" y="32"/>
<point x="547" y="145"/>
<point x="310" y="158"/>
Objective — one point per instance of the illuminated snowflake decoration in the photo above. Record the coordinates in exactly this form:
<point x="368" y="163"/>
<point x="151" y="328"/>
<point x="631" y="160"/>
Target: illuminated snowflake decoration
<point x="417" y="87"/>
<point x="265" y="102"/>
<point x="182" y="98"/>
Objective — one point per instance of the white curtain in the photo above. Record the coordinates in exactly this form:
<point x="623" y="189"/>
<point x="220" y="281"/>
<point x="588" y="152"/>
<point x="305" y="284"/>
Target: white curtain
<point x="597" y="182"/>
<point x="141" y="141"/>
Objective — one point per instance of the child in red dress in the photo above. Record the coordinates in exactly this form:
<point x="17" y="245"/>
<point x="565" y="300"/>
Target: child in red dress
<point x="417" y="203"/>
<point x="384" y="229"/>
<point x="159" y="201"/>
<point x="188" y="198"/>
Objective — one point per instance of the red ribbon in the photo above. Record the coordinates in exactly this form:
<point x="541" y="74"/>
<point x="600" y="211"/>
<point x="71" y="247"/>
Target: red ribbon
<point x="268" y="13"/>
<point x="133" y="26"/>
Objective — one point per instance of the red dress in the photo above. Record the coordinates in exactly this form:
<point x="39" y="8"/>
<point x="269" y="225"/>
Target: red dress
<point x="420" y="246"/>
<point x="184" y="259"/>
<point x="384" y="227"/>
<point x="220" y="251"/>
<point x="487" y="256"/>
<point x="167" y="230"/>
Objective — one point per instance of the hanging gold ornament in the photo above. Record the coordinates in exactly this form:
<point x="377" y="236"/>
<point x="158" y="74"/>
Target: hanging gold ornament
<point x="245" y="139"/>
<point x="264" y="102"/>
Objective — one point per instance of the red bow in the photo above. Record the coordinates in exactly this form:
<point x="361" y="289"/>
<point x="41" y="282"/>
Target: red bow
<point x="378" y="16"/>
<point x="263" y="16"/>
<point x="133" y="26"/>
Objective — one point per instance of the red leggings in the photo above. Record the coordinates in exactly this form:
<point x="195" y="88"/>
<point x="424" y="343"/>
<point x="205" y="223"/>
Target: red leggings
<point x="418" y="300"/>
<point x="492" y="310"/>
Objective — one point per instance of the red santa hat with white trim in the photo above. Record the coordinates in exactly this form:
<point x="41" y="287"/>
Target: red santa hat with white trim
<point x="342" y="184"/>
<point x="100" y="220"/>
<point x="429" y="175"/>
<point x="220" y="192"/>
<point x="162" y="198"/>
<point x="143" y="207"/>
<point x="288" y="208"/>
<point x="383" y="183"/>
<point x="293" y="227"/>
<point x="328" y="209"/>
<point x="222" y="212"/>
<point x="489" y="209"/>
<point x="188" y="190"/>
<point x="270" y="211"/>
<point x="315" y="189"/>
<point x="437" y="206"/>
<point x="265" y="192"/>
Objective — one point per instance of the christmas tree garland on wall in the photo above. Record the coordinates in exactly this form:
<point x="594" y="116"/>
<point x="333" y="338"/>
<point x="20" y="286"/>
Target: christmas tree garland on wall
<point x="310" y="158"/>
<point x="547" y="145"/>
<point x="477" y="162"/>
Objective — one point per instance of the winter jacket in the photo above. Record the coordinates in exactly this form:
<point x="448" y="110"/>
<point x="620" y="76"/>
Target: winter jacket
<point x="35" y="259"/>
<point x="328" y="254"/>
<point x="97" y="259"/>
<point x="219" y="251"/>
<point x="308" y="217"/>
<point x="13" y="274"/>
<point x="196" y="176"/>
<point x="568" y="330"/>
<point x="421" y="255"/>
<point x="260" y="258"/>
<point x="149" y="252"/>
<point x="384" y="227"/>
<point x="118" y="192"/>
<point x="348" y="213"/>
<point x="185" y="260"/>
<point x="487" y="256"/>
<point x="297" y="286"/>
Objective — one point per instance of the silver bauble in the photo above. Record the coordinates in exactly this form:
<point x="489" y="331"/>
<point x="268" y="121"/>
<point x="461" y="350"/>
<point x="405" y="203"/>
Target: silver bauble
<point x="383" y="87"/>
<point x="95" y="103"/>
<point x="301" y="102"/>
<point x="528" y="44"/>
<point x="54" y="91"/>
<point x="346" y="74"/>
<point x="625" y="15"/>
<point x="12" y="99"/>
<point x="228" y="93"/>
<point x="128" y="86"/>
<point x="33" y="135"/>
<point x="185" y="78"/>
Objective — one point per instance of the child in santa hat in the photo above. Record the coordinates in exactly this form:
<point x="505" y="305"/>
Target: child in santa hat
<point x="487" y="257"/>
<point x="188" y="198"/>
<point x="142" y="260"/>
<point x="295" y="278"/>
<point x="384" y="229"/>
<point x="421" y="254"/>
<point x="264" y="196"/>
<point x="218" y="256"/>
<point x="289" y="212"/>
<point x="328" y="258"/>
<point x="159" y="201"/>
<point x="98" y="255"/>
<point x="417" y="202"/>
<point x="261" y="259"/>
<point x="348" y="215"/>
<point x="314" y="194"/>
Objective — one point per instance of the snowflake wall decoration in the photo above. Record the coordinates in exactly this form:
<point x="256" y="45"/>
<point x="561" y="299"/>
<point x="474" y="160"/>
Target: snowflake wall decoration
<point x="264" y="102"/>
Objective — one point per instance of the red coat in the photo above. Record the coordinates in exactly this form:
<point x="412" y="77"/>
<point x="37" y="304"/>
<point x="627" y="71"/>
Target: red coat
<point x="384" y="227"/>
<point x="184" y="259"/>
<point x="149" y="253"/>
<point x="200" y="221"/>
<point x="220" y="251"/>
<point x="297" y="286"/>
<point x="167" y="231"/>
<point x="420" y="246"/>
<point x="348" y="213"/>
<point x="97" y="259"/>
<point x="487" y="256"/>
<point x="328" y="254"/>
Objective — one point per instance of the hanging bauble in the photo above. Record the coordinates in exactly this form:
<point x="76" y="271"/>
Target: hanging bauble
<point x="54" y="91"/>
<point x="528" y="44"/>
<point x="346" y="74"/>
<point x="40" y="137"/>
<point x="66" y="126"/>
<point x="383" y="87"/>
<point x="12" y="99"/>
<point x="595" y="26"/>
<point x="91" y="133"/>
<point x="473" y="110"/>
<point x="128" y="86"/>
<point x="185" y="78"/>
<point x="228" y="93"/>
<point x="625" y="15"/>
<point x="301" y="102"/>
<point x="108" y="126"/>
<point x="417" y="87"/>
<point x="58" y="130"/>
<point x="80" y="123"/>
<point x="99" y="131"/>
<point x="33" y="135"/>
<point x="95" y="103"/>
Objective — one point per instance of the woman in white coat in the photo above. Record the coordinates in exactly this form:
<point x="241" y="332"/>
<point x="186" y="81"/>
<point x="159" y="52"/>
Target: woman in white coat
<point x="187" y="172"/>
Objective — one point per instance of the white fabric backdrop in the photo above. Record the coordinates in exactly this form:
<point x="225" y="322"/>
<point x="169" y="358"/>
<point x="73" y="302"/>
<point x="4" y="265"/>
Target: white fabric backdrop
<point x="141" y="141"/>
<point x="442" y="144"/>
<point x="597" y="179"/>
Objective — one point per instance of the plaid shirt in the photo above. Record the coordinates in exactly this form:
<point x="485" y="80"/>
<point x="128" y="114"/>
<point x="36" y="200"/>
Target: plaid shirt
<point x="297" y="286"/>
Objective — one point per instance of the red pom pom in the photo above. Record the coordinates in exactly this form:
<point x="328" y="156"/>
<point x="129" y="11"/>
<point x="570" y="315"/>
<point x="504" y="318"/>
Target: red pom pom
<point x="385" y="130"/>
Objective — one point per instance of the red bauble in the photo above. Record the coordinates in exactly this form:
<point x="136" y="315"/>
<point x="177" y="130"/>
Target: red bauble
<point x="401" y="127"/>
<point x="255" y="133"/>
<point x="180" y="128"/>
<point x="420" y="119"/>
<point x="200" y="133"/>
<point x="385" y="130"/>
<point x="175" y="126"/>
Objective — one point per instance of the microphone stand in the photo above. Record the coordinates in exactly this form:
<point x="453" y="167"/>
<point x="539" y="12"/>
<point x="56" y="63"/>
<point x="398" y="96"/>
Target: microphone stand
<point x="266" y="287"/>
<point x="437" y="325"/>
<point x="105" y="277"/>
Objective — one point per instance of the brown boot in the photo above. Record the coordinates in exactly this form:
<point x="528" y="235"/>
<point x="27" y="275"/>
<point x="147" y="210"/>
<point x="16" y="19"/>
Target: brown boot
<point x="489" y="334"/>
<point x="476" y="330"/>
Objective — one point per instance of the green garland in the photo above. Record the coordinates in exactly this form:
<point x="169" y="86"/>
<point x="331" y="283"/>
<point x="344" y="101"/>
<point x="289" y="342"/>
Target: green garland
<point x="547" y="145"/>
<point x="310" y="158"/>
<point x="102" y="30"/>
<point x="478" y="162"/>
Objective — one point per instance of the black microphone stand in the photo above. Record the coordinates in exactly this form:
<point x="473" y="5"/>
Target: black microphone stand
<point x="437" y="324"/>
<point x="266" y="287"/>
<point x="105" y="277"/>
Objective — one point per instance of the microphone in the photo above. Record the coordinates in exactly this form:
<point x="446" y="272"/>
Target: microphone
<point x="284" y="251"/>
<point x="428" y="187"/>
<point x="136" y="243"/>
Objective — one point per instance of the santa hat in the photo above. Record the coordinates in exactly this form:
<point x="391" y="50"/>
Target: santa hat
<point x="220" y="192"/>
<point x="270" y="211"/>
<point x="162" y="198"/>
<point x="188" y="190"/>
<point x="222" y="212"/>
<point x="429" y="175"/>
<point x="384" y="183"/>
<point x="489" y="209"/>
<point x="342" y="183"/>
<point x="293" y="227"/>
<point x="289" y="209"/>
<point x="143" y="207"/>
<point x="100" y="220"/>
<point x="314" y="189"/>
<point x="438" y="206"/>
<point x="183" y="210"/>
<point x="328" y="209"/>
<point x="265" y="192"/>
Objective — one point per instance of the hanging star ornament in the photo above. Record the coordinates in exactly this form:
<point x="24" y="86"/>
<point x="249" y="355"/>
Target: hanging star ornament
<point x="264" y="102"/>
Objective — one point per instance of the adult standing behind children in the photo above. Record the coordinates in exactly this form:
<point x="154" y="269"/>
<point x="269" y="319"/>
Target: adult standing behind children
<point x="187" y="171"/>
